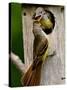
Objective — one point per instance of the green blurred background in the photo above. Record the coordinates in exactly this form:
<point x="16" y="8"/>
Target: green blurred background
<point x="15" y="11"/>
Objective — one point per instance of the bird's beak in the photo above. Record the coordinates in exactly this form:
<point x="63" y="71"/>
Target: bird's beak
<point x="36" y="17"/>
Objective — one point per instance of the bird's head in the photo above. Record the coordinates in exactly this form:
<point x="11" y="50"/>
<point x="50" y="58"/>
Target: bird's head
<point x="38" y="14"/>
<point x="45" y="18"/>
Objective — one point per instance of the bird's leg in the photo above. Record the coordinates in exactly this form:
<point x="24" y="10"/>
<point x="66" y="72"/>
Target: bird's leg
<point x="52" y="54"/>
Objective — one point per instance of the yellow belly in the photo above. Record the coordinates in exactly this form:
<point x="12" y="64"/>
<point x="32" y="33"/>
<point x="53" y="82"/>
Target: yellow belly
<point x="46" y="23"/>
<point x="45" y="55"/>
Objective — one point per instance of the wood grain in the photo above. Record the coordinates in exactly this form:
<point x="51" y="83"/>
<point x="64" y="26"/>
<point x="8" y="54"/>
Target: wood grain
<point x="53" y="69"/>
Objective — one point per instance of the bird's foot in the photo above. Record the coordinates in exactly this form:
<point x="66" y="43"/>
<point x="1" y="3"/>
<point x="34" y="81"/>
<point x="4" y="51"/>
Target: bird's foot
<point x="52" y="54"/>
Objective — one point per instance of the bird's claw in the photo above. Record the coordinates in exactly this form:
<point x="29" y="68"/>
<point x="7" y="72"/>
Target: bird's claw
<point x="53" y="54"/>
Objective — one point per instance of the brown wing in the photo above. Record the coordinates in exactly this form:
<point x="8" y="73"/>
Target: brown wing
<point x="40" y="46"/>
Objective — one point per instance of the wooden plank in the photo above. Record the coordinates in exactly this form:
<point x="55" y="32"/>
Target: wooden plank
<point x="53" y="69"/>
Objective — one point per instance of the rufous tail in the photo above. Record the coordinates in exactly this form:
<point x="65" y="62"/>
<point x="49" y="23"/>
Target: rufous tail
<point x="32" y="77"/>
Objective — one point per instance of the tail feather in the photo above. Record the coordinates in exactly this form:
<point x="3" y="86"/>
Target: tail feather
<point x="32" y="77"/>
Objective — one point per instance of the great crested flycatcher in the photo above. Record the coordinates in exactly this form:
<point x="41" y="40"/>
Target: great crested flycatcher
<point x="40" y="47"/>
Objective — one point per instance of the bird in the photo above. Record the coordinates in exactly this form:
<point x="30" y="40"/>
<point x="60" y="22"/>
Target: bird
<point x="40" y="47"/>
<point x="33" y="74"/>
<point x="46" y="18"/>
